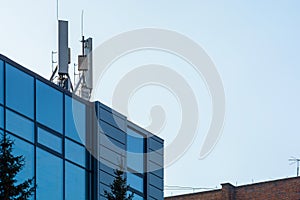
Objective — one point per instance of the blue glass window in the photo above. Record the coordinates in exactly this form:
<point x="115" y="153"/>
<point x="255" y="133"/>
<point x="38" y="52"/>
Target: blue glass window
<point x="49" y="174"/>
<point x="135" y="196"/>
<point x="75" y="182"/>
<point x="19" y="125"/>
<point x="75" y="119"/>
<point x="1" y="117"/>
<point x="19" y="91"/>
<point x="49" y="106"/>
<point x="49" y="140"/>
<point x="135" y="149"/>
<point x="135" y="182"/>
<point x="75" y="152"/>
<point x="1" y="81"/>
<point x="27" y="150"/>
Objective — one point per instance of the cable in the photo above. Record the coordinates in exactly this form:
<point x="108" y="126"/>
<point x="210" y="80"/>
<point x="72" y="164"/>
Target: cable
<point x="175" y="187"/>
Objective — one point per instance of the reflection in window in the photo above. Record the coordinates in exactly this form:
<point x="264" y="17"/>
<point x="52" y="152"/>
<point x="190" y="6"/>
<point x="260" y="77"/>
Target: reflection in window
<point x="75" y="119"/>
<point x="135" y="182"/>
<point x="49" y="106"/>
<point x="19" y="125"/>
<point x="27" y="150"/>
<point x="19" y="91"/>
<point x="135" y="149"/>
<point x="75" y="152"/>
<point x="1" y="81"/>
<point x="75" y="182"/>
<point x="135" y="196"/>
<point x="49" y="140"/>
<point x="1" y="117"/>
<point x="49" y="174"/>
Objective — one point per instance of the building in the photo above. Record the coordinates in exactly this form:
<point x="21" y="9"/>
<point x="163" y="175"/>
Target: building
<point x="288" y="189"/>
<point x="71" y="145"/>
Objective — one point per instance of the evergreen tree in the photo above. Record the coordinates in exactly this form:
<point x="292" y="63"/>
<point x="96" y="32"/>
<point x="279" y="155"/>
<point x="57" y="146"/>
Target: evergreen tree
<point x="119" y="188"/>
<point x="10" y="166"/>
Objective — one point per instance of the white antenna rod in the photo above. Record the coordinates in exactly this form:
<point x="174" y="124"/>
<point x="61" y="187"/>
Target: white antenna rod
<point x="57" y="10"/>
<point x="82" y="12"/>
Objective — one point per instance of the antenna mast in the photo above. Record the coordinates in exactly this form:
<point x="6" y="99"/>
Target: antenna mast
<point x="295" y="160"/>
<point x="85" y="65"/>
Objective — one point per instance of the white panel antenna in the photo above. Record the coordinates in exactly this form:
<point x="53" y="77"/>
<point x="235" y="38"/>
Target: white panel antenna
<point x="64" y="58"/>
<point x="63" y="49"/>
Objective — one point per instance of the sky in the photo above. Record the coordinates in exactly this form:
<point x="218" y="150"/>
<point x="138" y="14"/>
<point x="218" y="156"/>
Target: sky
<point x="253" y="44"/>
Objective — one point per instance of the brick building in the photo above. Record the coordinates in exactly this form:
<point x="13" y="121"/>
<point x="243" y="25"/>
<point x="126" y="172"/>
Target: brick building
<point x="287" y="189"/>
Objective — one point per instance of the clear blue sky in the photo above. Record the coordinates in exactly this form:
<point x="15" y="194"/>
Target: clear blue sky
<point x="255" y="46"/>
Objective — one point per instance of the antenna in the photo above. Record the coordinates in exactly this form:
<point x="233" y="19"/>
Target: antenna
<point x="63" y="49"/>
<point x="85" y="65"/>
<point x="82" y="12"/>
<point x="294" y="160"/>
<point x="82" y="36"/>
<point x="64" y="57"/>
<point x="57" y="10"/>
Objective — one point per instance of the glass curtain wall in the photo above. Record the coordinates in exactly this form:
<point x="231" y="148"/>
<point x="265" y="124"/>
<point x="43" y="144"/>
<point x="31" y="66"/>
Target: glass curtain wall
<point x="135" y="163"/>
<point x="48" y="127"/>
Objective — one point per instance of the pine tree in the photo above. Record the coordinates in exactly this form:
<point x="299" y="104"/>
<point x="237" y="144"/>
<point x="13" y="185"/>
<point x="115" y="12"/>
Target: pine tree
<point x="119" y="188"/>
<point x="10" y="166"/>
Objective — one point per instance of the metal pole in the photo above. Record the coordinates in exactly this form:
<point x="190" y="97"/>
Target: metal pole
<point x="298" y="167"/>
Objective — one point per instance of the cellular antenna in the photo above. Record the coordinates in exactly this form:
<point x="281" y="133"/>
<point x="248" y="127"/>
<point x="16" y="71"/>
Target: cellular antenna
<point x="84" y="85"/>
<point x="64" y="57"/>
<point x="294" y="160"/>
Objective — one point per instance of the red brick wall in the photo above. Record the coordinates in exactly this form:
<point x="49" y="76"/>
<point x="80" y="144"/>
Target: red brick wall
<point x="287" y="189"/>
<point x="283" y="189"/>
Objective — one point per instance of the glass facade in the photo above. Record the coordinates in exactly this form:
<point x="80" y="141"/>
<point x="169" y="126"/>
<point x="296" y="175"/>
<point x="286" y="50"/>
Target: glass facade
<point x="49" y="106"/>
<point x="75" y="152"/>
<point x="135" y="182"/>
<point x="135" y="162"/>
<point x="49" y="127"/>
<point x="49" y="140"/>
<point x="19" y="125"/>
<point x="19" y="91"/>
<point x="135" y="145"/>
<point x="75" y="182"/>
<point x="75" y="119"/>
<point x="1" y="81"/>
<point x="40" y="124"/>
<point x="49" y="175"/>
<point x="1" y="117"/>
<point x="27" y="150"/>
